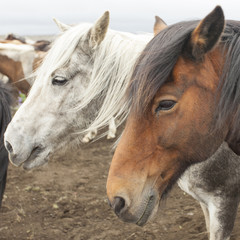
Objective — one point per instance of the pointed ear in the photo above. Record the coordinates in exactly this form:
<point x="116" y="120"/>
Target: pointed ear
<point x="159" y="25"/>
<point x="63" y="27"/>
<point x="99" y="30"/>
<point x="206" y="35"/>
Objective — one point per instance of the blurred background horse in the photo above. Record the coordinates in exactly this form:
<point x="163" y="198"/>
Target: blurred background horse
<point x="18" y="59"/>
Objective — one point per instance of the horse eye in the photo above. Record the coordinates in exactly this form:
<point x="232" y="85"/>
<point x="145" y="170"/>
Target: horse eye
<point x="165" y="105"/>
<point x="59" y="81"/>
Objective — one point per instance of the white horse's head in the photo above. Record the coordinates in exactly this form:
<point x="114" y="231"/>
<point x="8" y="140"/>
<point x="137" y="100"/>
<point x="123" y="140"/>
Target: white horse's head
<point x="86" y="69"/>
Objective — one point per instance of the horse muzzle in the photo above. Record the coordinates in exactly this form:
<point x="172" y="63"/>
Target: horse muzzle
<point x="139" y="212"/>
<point x="26" y="155"/>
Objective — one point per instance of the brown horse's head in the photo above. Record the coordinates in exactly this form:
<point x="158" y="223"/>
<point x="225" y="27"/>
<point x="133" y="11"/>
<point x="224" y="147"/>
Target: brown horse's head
<point x="180" y="113"/>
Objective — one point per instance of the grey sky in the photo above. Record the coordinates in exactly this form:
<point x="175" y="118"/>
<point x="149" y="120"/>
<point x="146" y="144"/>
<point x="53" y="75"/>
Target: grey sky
<point x="35" y="17"/>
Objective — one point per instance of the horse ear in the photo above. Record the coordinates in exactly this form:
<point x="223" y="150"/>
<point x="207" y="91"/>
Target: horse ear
<point x="159" y="25"/>
<point x="99" y="30"/>
<point x="63" y="27"/>
<point x="206" y="35"/>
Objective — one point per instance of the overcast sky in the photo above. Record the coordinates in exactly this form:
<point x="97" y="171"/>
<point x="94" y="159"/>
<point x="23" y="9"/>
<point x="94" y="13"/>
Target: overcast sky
<point x="35" y="17"/>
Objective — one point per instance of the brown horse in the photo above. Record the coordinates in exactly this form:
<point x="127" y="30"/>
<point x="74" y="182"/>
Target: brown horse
<point x="39" y="45"/>
<point x="17" y="61"/>
<point x="12" y="67"/>
<point x="185" y="93"/>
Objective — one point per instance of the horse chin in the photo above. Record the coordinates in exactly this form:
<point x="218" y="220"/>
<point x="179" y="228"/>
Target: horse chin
<point x="36" y="160"/>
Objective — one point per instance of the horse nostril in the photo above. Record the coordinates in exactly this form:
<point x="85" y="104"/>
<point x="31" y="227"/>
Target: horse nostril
<point x="8" y="146"/>
<point x="118" y="204"/>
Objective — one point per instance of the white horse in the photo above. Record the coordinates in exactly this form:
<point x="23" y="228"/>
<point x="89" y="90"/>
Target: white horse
<point x="81" y="81"/>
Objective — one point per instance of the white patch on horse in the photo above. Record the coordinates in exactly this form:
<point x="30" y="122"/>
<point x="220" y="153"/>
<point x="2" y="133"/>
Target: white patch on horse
<point x="215" y="183"/>
<point x="4" y="78"/>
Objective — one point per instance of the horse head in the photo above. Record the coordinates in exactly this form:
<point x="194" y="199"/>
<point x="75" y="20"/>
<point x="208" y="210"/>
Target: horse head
<point x="182" y="108"/>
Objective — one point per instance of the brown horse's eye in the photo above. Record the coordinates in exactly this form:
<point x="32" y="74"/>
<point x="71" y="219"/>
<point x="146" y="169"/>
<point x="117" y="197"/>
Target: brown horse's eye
<point x="165" y="105"/>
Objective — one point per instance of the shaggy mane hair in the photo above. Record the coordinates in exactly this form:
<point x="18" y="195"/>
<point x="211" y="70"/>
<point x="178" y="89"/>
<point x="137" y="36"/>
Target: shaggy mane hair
<point x="158" y="59"/>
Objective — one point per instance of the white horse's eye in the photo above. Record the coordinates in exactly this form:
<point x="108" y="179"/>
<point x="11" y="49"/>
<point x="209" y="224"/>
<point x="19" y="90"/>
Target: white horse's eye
<point x="58" y="80"/>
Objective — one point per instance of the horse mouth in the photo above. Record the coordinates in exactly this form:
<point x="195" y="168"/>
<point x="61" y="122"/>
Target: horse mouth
<point x="148" y="210"/>
<point x="36" y="158"/>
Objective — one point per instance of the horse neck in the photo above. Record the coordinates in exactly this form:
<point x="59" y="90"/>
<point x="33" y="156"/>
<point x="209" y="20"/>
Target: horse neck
<point x="224" y="156"/>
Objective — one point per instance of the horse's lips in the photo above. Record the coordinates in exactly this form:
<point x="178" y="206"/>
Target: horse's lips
<point x="148" y="210"/>
<point x="36" y="152"/>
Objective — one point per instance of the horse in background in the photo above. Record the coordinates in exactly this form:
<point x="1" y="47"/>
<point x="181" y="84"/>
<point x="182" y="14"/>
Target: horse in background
<point x="184" y="96"/>
<point x="39" y="45"/>
<point x="17" y="62"/>
<point x="5" y="117"/>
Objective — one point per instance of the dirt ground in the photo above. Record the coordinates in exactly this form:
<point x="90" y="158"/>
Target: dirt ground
<point x="67" y="200"/>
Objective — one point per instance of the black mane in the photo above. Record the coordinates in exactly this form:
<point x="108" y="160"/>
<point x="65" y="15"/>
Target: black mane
<point x="158" y="59"/>
<point x="5" y="117"/>
<point x="5" y="112"/>
<point x="229" y="85"/>
<point x="156" y="63"/>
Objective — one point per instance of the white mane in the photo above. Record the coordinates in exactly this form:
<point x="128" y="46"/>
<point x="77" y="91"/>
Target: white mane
<point x="113" y="65"/>
<point x="113" y="60"/>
